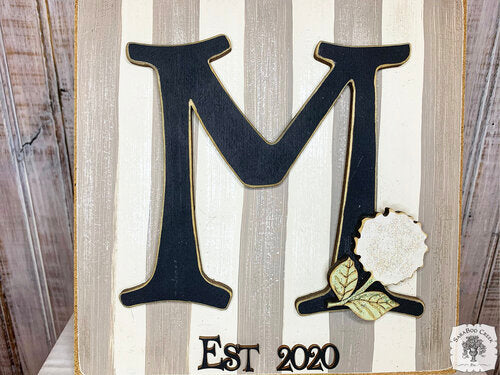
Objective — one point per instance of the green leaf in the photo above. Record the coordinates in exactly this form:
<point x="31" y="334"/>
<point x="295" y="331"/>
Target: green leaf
<point x="343" y="279"/>
<point x="371" y="305"/>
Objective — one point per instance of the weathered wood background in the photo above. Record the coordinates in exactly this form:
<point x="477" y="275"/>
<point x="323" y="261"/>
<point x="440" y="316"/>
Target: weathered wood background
<point x="36" y="139"/>
<point x="36" y="193"/>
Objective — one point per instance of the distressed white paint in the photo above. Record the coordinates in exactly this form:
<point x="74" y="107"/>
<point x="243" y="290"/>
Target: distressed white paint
<point x="398" y="165"/>
<point x="219" y="194"/>
<point x="133" y="188"/>
<point x="390" y="256"/>
<point x="309" y="183"/>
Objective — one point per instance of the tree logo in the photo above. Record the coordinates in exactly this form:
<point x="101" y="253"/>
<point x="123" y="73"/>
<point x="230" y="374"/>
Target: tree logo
<point x="473" y="347"/>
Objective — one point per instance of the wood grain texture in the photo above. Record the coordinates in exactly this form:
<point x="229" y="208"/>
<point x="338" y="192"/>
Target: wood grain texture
<point x="440" y="179"/>
<point x="60" y="42"/>
<point x="481" y="182"/>
<point x="490" y="304"/>
<point x="482" y="223"/>
<point x="356" y="23"/>
<point x="96" y="161"/>
<point x="34" y="118"/>
<point x="9" y="354"/>
<point x="268" y="104"/>
<point x="480" y="230"/>
<point x="37" y="196"/>
<point x="479" y="269"/>
<point x="54" y="66"/>
<point x="167" y="324"/>
<point x="482" y="44"/>
<point x="23" y="315"/>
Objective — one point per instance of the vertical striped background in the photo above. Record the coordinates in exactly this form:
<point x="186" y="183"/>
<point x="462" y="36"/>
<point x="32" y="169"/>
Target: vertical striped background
<point x="269" y="245"/>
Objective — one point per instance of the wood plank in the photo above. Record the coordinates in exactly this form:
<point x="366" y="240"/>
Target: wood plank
<point x="23" y="301"/>
<point x="42" y="152"/>
<point x="36" y="128"/>
<point x="268" y="104"/>
<point x="9" y="355"/>
<point x="479" y="299"/>
<point x="489" y="15"/>
<point x="40" y="185"/>
<point x="60" y="359"/>
<point x="490" y="305"/>
<point x="481" y="290"/>
<point x="491" y="301"/>
<point x="482" y="29"/>
<point x="481" y="185"/>
<point x="440" y="186"/>
<point x="52" y="70"/>
<point x="60" y="23"/>
<point x="97" y="123"/>
<point x="257" y="314"/>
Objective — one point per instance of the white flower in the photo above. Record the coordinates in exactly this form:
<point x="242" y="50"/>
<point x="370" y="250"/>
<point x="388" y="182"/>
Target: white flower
<point x="391" y="246"/>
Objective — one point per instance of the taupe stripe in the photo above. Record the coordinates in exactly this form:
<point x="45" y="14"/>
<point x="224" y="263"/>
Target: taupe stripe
<point x="440" y="186"/>
<point x="167" y="324"/>
<point x="268" y="104"/>
<point x="97" y="139"/>
<point x="357" y="22"/>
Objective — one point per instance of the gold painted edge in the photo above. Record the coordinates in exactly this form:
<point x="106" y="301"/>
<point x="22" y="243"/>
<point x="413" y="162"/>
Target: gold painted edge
<point x="460" y="219"/>
<point x="77" y="371"/>
<point x="76" y="356"/>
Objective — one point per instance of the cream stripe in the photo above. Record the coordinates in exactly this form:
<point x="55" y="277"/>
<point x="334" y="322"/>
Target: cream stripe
<point x="398" y="167"/>
<point x="219" y="194"/>
<point x="309" y="183"/>
<point x="133" y="189"/>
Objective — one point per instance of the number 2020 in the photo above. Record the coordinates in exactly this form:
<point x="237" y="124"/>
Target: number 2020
<point x="314" y="357"/>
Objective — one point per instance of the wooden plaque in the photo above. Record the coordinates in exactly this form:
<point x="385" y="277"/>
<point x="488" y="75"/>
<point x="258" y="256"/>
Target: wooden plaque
<point x="267" y="186"/>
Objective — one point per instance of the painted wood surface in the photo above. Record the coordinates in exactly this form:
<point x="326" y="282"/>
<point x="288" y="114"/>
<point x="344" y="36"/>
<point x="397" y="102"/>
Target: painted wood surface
<point x="96" y="142"/>
<point x="275" y="47"/>
<point x="36" y="194"/>
<point x="439" y="199"/>
<point x="273" y="42"/>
